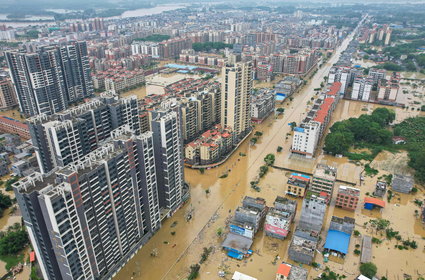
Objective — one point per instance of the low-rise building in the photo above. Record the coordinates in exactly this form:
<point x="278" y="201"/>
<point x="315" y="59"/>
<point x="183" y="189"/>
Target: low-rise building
<point x="312" y="214"/>
<point x="303" y="246"/>
<point x="8" y="97"/>
<point x="339" y="234"/>
<point x="279" y="218"/>
<point x="262" y="104"/>
<point x="366" y="255"/>
<point x="288" y="271"/>
<point x="210" y="147"/>
<point x="380" y="189"/>
<point x="264" y="72"/>
<point x="324" y="178"/>
<point x="298" y="184"/>
<point x="243" y="226"/>
<point x="305" y="138"/>
<point x="248" y="218"/>
<point x="347" y="198"/>
<point x="4" y="167"/>
<point x="118" y="79"/>
<point x="287" y="86"/>
<point x="310" y="131"/>
<point x="402" y="183"/>
<point x="10" y="125"/>
<point x="240" y="276"/>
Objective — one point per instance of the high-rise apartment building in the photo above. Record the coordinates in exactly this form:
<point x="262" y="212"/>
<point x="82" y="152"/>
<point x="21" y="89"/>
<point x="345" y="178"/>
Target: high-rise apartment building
<point x="362" y="87"/>
<point x="388" y="88"/>
<point x="85" y="221"/>
<point x="236" y="87"/>
<point x="48" y="80"/>
<point x="199" y="112"/>
<point x="7" y="94"/>
<point x="168" y="143"/>
<point x="377" y="74"/>
<point x="65" y="137"/>
<point x="340" y="74"/>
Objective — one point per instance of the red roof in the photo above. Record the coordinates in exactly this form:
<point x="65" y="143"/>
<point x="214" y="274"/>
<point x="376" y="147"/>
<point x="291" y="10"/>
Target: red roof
<point x="284" y="269"/>
<point x="374" y="201"/>
<point x="32" y="256"/>
<point x="300" y="178"/>
<point x="334" y="88"/>
<point x="324" y="109"/>
<point x="13" y="122"/>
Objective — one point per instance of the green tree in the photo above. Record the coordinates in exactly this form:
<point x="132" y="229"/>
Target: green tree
<point x="258" y="133"/>
<point x="194" y="271"/>
<point x="13" y="242"/>
<point x="383" y="116"/>
<point x="5" y="202"/>
<point x="269" y="159"/>
<point x="368" y="269"/>
<point x="338" y="142"/>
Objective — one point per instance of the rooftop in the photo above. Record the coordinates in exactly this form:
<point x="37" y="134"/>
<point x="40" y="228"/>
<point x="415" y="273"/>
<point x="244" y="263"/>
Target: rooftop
<point x="337" y="241"/>
<point x="374" y="201"/>
<point x="349" y="191"/>
<point x="237" y="242"/>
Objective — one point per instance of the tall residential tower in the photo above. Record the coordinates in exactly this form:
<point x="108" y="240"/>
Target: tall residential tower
<point x="65" y="137"/>
<point x="236" y="87"/>
<point x="51" y="78"/>
<point x="86" y="220"/>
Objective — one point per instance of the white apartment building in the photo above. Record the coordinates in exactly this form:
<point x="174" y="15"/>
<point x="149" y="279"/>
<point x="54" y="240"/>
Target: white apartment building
<point x="362" y="88"/>
<point x="305" y="138"/>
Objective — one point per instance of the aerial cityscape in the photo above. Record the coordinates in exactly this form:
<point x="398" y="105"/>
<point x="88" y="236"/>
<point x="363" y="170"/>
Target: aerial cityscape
<point x="212" y="140"/>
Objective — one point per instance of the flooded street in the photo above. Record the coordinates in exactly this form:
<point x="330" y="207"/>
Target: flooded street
<point x="176" y="253"/>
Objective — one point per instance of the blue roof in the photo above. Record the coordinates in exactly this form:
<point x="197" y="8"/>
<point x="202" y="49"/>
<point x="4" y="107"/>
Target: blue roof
<point x="337" y="241"/>
<point x="235" y="255"/>
<point x="180" y="66"/>
<point x="301" y="175"/>
<point x="299" y="129"/>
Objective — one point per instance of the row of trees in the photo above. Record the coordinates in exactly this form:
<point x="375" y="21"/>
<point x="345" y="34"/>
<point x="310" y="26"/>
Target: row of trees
<point x="413" y="129"/>
<point x="403" y="49"/>
<point x="154" y="38"/>
<point x="210" y="45"/>
<point x="367" y="128"/>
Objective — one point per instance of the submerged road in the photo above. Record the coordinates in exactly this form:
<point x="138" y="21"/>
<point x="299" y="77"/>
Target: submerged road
<point x="179" y="250"/>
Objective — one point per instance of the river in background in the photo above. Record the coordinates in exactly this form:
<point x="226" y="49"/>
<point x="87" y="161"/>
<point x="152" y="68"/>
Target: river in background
<point x="148" y="11"/>
<point x="35" y="20"/>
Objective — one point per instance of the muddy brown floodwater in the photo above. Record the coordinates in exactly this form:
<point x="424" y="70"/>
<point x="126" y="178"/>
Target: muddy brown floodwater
<point x="177" y="252"/>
